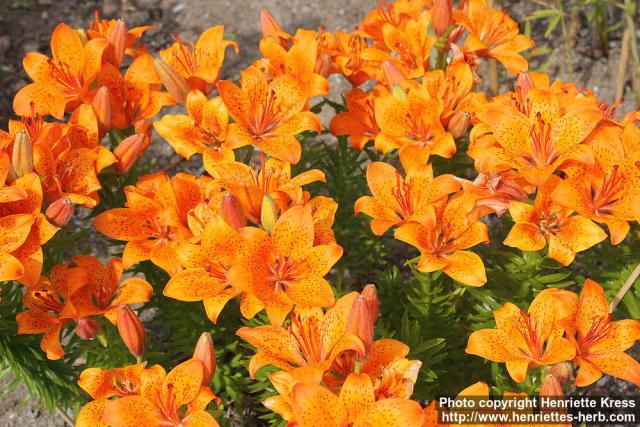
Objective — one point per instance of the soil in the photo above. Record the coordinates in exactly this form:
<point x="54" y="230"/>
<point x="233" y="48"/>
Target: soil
<point x="26" y="25"/>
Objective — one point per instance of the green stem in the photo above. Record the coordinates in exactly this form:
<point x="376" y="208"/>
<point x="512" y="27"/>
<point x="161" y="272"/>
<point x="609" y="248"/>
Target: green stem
<point x="625" y="288"/>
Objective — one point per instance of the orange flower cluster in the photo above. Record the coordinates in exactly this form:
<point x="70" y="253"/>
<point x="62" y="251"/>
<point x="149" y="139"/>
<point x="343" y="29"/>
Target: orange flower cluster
<point x="76" y="293"/>
<point x="333" y="370"/>
<point x="550" y="141"/>
<point x="560" y="326"/>
<point x="135" y="395"/>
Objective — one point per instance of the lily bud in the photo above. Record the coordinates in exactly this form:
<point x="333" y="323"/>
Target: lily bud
<point x="205" y="352"/>
<point x="129" y="150"/>
<point x="131" y="330"/>
<point x="392" y="74"/>
<point x="562" y="371"/>
<point x="360" y="322"/>
<point x="102" y="106"/>
<point x="175" y="84"/>
<point x="117" y="39"/>
<point x="60" y="212"/>
<point x="268" y="213"/>
<point x="399" y="93"/>
<point x="441" y="16"/>
<point x="232" y="212"/>
<point x="459" y="124"/>
<point x="524" y="84"/>
<point x="456" y="34"/>
<point x="87" y="328"/>
<point x="22" y="155"/>
<point x="323" y="65"/>
<point x="269" y="25"/>
<point x="370" y="295"/>
<point x="551" y="386"/>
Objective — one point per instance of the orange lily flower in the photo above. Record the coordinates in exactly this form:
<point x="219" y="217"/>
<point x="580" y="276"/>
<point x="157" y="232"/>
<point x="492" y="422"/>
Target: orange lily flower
<point x="60" y="84"/>
<point x="283" y="382"/>
<point x="442" y="239"/>
<point x="251" y="185"/>
<point x="308" y="347"/>
<point x="599" y="341"/>
<point x="495" y="191"/>
<point x="355" y="405"/>
<point x="394" y="14"/>
<point x="547" y="222"/>
<point x="299" y="61"/>
<point x="49" y="307"/>
<point x="385" y="362"/>
<point x="347" y="59"/>
<point x="199" y="64"/>
<point x="70" y="159"/>
<point x="104" y="292"/>
<point x="398" y="200"/>
<point x="206" y="267"/>
<point x="268" y="114"/>
<point x="523" y="340"/>
<point x="103" y="384"/>
<point x="492" y="33"/>
<point x="151" y="223"/>
<point x="411" y="122"/>
<point x="603" y="192"/>
<point x="359" y="121"/>
<point x="408" y="46"/>
<point x="136" y="96"/>
<point x="120" y="40"/>
<point x="284" y="269"/>
<point x="203" y="131"/>
<point x="23" y="231"/>
<point x="549" y="132"/>
<point x="162" y="399"/>
<point x="453" y="86"/>
<point x="392" y="377"/>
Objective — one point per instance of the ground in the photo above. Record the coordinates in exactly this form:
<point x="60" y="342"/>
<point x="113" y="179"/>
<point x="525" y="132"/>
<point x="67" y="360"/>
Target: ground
<point x="26" y="25"/>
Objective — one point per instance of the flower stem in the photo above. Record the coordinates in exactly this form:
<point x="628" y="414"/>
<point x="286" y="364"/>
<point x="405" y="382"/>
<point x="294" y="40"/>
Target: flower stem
<point x="625" y="288"/>
<point x="64" y="415"/>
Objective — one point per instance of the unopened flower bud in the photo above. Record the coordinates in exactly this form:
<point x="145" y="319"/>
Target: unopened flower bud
<point x="562" y="371"/>
<point x="524" y="84"/>
<point x="175" y="84"/>
<point x="129" y="150"/>
<point x="323" y="65"/>
<point x="269" y="25"/>
<point x="392" y="74"/>
<point x="205" y="352"/>
<point x="551" y="386"/>
<point x="455" y="35"/>
<point x="370" y="295"/>
<point x="441" y="16"/>
<point x="102" y="106"/>
<point x="232" y="212"/>
<point x="399" y="93"/>
<point x="87" y="328"/>
<point x="131" y="330"/>
<point x="268" y="213"/>
<point x="22" y="155"/>
<point x="117" y="40"/>
<point x="459" y="124"/>
<point x="60" y="212"/>
<point x="360" y="323"/>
